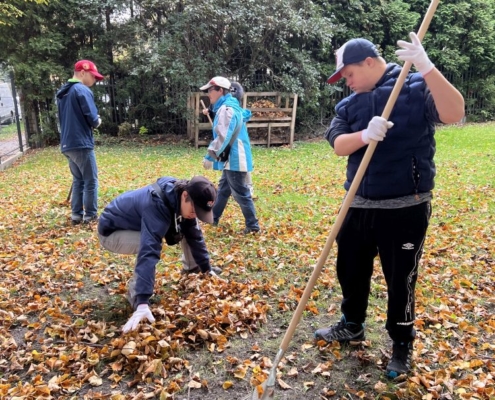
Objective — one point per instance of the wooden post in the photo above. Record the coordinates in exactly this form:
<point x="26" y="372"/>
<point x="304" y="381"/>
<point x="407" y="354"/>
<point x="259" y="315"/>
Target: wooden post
<point x="188" y="122"/>
<point x="293" y="121"/>
<point x="196" y="120"/>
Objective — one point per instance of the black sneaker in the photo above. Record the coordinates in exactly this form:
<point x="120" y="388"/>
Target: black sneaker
<point x="76" y="219"/>
<point x="197" y="270"/>
<point x="341" y="332"/>
<point x="90" y="220"/>
<point x="400" y="363"/>
<point x="247" y="231"/>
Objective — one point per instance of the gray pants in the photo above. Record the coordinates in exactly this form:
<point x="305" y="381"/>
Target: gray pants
<point x="127" y="242"/>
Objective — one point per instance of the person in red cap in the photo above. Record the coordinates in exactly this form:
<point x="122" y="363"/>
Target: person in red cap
<point x="136" y="222"/>
<point x="78" y="116"/>
<point x="390" y="213"/>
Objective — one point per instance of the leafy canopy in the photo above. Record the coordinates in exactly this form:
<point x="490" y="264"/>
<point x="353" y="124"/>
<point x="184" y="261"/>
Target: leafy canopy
<point x="10" y="11"/>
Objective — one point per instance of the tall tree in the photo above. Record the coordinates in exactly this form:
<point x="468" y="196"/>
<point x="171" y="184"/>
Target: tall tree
<point x="42" y="44"/>
<point x="10" y="11"/>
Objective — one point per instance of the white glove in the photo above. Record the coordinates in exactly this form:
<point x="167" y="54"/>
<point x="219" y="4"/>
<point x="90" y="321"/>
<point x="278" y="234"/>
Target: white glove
<point x="142" y="312"/>
<point x="99" y="121"/>
<point x="376" y="130"/>
<point x="207" y="164"/>
<point x="214" y="274"/>
<point x="415" y="53"/>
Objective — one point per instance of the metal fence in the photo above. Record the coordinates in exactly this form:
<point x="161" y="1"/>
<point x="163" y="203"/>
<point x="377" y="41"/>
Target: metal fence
<point x="162" y="107"/>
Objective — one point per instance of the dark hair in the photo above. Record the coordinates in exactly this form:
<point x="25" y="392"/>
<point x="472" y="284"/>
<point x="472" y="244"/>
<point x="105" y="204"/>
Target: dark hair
<point x="179" y="187"/>
<point x="237" y="91"/>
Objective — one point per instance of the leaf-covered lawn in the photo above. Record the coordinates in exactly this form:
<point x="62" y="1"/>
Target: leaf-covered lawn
<point x="62" y="297"/>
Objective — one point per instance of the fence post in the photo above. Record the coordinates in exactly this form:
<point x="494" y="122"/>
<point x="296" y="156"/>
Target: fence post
<point x="14" y="97"/>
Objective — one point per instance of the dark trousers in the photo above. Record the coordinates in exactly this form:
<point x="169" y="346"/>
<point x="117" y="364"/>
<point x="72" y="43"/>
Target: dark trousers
<point x="397" y="236"/>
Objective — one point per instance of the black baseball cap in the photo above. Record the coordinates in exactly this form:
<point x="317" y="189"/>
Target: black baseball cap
<point x="203" y="195"/>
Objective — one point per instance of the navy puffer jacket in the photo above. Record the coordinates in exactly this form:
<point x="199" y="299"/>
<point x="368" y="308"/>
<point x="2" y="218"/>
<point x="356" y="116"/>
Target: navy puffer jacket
<point x="144" y="211"/>
<point x="402" y="163"/>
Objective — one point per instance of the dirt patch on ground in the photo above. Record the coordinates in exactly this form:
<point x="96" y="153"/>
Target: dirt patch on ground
<point x="307" y="371"/>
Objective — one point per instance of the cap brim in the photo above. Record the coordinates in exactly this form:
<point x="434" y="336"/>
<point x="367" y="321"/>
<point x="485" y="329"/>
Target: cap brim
<point x="97" y="76"/>
<point x="207" y="86"/>
<point x="205" y="216"/>
<point x="335" y="77"/>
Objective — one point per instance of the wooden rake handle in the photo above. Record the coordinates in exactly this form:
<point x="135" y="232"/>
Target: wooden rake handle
<point x="208" y="115"/>
<point x="352" y="190"/>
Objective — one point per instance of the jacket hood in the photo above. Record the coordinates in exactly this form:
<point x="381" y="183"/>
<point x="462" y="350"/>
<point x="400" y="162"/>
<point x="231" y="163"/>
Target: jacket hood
<point x="167" y="184"/>
<point x="230" y="101"/>
<point x="65" y="88"/>
<point x="226" y="100"/>
<point x="246" y="115"/>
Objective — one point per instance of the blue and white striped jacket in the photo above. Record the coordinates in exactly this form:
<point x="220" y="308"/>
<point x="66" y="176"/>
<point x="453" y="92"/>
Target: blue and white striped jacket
<point x="228" y="116"/>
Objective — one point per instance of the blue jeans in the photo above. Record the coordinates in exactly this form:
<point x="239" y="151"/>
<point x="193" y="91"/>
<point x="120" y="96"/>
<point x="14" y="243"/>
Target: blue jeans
<point x="234" y="183"/>
<point x="84" y="200"/>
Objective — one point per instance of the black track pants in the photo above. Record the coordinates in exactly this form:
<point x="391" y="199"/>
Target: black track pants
<point x="397" y="236"/>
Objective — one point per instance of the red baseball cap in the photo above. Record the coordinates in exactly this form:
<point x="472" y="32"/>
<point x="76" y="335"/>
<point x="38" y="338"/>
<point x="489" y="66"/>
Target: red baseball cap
<point x="89" y="66"/>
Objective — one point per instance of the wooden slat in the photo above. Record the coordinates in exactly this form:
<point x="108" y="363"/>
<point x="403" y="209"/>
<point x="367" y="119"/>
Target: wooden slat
<point x="261" y="94"/>
<point x="268" y="109"/>
<point x="188" y="122"/>
<point x="268" y="94"/>
<point x="264" y="121"/>
<point x="265" y="124"/>
<point x="270" y="119"/>
<point x="196" y="118"/>
<point x="272" y="141"/>
<point x="293" y="122"/>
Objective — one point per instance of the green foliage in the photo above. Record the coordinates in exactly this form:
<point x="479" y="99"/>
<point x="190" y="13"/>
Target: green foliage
<point x="266" y="46"/>
<point x="155" y="53"/>
<point x="143" y="130"/>
<point x="463" y="36"/>
<point x="9" y="12"/>
<point x="125" y="129"/>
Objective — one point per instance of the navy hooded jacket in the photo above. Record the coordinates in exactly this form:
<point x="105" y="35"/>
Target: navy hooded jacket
<point x="402" y="163"/>
<point x="78" y="116"/>
<point x="144" y="211"/>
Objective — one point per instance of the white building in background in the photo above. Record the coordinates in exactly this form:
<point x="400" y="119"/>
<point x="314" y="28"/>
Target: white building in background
<point x="7" y="110"/>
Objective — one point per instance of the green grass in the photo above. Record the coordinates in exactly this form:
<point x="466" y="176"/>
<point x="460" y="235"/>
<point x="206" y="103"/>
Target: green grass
<point x="8" y="132"/>
<point x="299" y="193"/>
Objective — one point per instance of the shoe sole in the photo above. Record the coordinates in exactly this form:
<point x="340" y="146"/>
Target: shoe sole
<point x="345" y="341"/>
